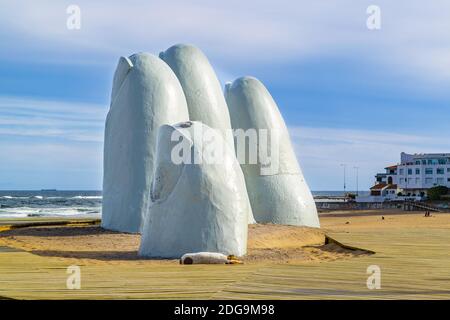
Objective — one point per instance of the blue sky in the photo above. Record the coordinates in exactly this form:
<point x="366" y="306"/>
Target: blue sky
<point x="348" y="94"/>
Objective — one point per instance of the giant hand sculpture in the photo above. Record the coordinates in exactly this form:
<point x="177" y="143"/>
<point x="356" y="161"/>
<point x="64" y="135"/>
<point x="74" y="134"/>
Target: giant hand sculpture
<point x="202" y="89"/>
<point x="197" y="204"/>
<point x="146" y="94"/>
<point x="281" y="196"/>
<point x="203" y="202"/>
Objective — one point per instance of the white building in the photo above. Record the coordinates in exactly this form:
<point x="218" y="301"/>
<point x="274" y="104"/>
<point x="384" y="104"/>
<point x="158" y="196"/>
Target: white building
<point x="411" y="178"/>
<point x="419" y="172"/>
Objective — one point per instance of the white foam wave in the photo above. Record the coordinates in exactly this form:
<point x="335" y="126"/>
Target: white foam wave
<point x="87" y="197"/>
<point x="49" y="212"/>
<point x="13" y="215"/>
<point x="38" y="197"/>
<point x="13" y="197"/>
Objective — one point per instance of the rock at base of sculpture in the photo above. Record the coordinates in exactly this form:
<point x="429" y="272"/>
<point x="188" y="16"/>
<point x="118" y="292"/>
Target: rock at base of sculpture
<point x="196" y="205"/>
<point x="281" y="196"/>
<point x="146" y="94"/>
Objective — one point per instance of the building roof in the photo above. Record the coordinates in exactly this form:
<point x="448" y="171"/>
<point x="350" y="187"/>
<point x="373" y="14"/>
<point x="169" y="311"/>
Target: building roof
<point x="427" y="155"/>
<point x="392" y="167"/>
<point x="379" y="186"/>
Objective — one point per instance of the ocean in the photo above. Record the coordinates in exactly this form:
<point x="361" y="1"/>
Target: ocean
<point x="50" y="203"/>
<point x="54" y="203"/>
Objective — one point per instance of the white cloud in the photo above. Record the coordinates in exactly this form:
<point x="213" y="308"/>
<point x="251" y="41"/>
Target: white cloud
<point x="50" y="144"/>
<point x="21" y="117"/>
<point x="414" y="37"/>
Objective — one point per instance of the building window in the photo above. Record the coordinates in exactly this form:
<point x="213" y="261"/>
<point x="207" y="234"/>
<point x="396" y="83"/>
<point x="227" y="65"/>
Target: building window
<point x="440" y="181"/>
<point x="409" y="171"/>
<point x="402" y="171"/>
<point x="428" y="180"/>
<point x="410" y="180"/>
<point x="417" y="180"/>
<point x="442" y="161"/>
<point x="417" y="162"/>
<point x="417" y="171"/>
<point x="448" y="170"/>
<point x="440" y="171"/>
<point x="428" y="170"/>
<point x="424" y="161"/>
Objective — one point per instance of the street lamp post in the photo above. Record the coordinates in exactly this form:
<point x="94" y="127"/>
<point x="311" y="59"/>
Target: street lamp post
<point x="357" y="178"/>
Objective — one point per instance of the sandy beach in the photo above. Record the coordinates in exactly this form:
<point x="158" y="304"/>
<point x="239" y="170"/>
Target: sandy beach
<point x="403" y="243"/>
<point x="92" y="244"/>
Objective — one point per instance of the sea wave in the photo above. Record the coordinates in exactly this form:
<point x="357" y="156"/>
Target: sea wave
<point x="49" y="203"/>
<point x="13" y="197"/>
<point x="86" y="197"/>
<point x="53" y="197"/>
<point x="14" y="215"/>
<point x="48" y="212"/>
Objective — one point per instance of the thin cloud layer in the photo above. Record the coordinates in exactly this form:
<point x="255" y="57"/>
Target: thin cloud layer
<point x="415" y="35"/>
<point x="59" y="120"/>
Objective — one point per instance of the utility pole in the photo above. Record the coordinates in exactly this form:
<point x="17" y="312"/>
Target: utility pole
<point x="345" y="167"/>
<point x="357" y="178"/>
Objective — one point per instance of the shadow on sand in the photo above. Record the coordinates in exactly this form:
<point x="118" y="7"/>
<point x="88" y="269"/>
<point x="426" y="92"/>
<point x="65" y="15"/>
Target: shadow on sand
<point x="58" y="231"/>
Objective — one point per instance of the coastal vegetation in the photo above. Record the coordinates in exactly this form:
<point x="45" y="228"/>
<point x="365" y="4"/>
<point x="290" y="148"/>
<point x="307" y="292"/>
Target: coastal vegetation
<point x="436" y="193"/>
